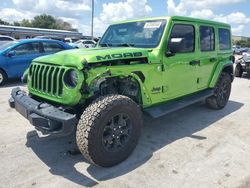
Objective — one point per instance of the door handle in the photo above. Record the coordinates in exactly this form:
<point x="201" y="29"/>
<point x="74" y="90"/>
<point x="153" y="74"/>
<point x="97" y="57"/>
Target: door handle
<point x="213" y="59"/>
<point x="195" y="62"/>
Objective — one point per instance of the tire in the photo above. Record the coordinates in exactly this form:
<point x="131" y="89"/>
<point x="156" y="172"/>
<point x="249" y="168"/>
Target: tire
<point x="101" y="137"/>
<point x="3" y="77"/>
<point x="238" y="71"/>
<point x="221" y="93"/>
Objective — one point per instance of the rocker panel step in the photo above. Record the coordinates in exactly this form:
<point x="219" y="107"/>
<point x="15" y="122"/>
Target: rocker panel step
<point x="176" y="104"/>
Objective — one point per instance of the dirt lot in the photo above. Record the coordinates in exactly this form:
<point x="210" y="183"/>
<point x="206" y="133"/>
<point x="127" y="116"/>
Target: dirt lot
<point x="193" y="147"/>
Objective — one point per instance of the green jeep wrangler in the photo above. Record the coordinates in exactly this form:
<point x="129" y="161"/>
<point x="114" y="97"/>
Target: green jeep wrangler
<point x="155" y="66"/>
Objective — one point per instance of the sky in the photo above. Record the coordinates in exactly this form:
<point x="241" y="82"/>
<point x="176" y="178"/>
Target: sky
<point x="78" y="12"/>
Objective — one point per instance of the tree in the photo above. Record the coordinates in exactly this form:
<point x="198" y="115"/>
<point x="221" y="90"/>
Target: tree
<point x="243" y="43"/>
<point x="4" y="22"/>
<point x="42" y="21"/>
<point x="45" y="21"/>
<point x="49" y="22"/>
<point x="25" y="23"/>
<point x="15" y="23"/>
<point x="65" y="25"/>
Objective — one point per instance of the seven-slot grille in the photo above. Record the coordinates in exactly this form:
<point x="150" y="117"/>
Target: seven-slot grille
<point x="47" y="79"/>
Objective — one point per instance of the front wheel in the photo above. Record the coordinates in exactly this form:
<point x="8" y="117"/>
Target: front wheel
<point x="221" y="93"/>
<point x="109" y="129"/>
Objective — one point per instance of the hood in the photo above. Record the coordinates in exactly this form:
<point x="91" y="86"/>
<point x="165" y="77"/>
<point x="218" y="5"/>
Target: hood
<point x="77" y="57"/>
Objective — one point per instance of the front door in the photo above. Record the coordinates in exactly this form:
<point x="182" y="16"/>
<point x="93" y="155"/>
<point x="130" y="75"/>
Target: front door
<point x="180" y="66"/>
<point x="22" y="57"/>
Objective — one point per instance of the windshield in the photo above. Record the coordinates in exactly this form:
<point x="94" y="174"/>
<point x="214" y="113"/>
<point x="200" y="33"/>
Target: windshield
<point x="144" y="34"/>
<point x="6" y="44"/>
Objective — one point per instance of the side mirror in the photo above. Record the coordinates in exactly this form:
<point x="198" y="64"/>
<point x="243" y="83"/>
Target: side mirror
<point x="11" y="53"/>
<point x="174" y="46"/>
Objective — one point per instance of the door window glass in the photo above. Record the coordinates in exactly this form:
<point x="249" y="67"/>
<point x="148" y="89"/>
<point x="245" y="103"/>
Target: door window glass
<point x="36" y="47"/>
<point x="224" y="39"/>
<point x="184" y="34"/>
<point x="51" y="47"/>
<point x="24" y="49"/>
<point x="207" y="38"/>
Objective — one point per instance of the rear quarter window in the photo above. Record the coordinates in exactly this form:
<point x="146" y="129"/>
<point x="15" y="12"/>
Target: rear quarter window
<point x="224" y="39"/>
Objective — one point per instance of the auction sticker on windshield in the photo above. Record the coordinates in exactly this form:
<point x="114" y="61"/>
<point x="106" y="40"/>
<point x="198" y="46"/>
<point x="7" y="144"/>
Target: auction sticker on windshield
<point x="152" y="25"/>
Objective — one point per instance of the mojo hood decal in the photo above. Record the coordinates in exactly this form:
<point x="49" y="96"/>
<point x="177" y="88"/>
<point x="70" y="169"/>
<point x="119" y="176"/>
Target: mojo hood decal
<point x="77" y="57"/>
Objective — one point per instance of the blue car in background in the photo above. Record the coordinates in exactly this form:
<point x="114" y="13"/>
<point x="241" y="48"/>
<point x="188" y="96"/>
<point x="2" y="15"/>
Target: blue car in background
<point x="16" y="56"/>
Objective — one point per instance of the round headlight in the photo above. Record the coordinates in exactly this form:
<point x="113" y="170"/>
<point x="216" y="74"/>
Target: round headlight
<point x="71" y="78"/>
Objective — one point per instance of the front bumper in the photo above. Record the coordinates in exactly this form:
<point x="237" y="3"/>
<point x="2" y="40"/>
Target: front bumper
<point x="45" y="117"/>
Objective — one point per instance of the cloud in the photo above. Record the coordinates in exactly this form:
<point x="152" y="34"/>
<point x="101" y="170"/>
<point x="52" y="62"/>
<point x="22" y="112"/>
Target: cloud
<point x="205" y="13"/>
<point x="238" y="30"/>
<point x="185" y="6"/>
<point x="77" y="12"/>
<point x="204" y="9"/>
<point x="122" y="10"/>
<point x="235" y="18"/>
<point x="232" y="18"/>
<point x="54" y="7"/>
<point x="11" y="15"/>
<point x="174" y="9"/>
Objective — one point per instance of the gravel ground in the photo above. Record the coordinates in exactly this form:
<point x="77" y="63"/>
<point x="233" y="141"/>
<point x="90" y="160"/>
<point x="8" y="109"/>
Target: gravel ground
<point x="193" y="147"/>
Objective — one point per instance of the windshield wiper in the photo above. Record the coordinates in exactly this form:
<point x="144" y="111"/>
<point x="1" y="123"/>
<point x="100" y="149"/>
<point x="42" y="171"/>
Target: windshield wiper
<point x="126" y="45"/>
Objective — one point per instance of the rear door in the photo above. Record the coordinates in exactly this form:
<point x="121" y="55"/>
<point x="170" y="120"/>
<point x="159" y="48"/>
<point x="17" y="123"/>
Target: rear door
<point x="51" y="47"/>
<point x="208" y="55"/>
<point x="180" y="70"/>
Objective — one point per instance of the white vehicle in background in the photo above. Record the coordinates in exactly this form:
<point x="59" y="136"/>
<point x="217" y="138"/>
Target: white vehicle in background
<point x="70" y="40"/>
<point x="237" y="49"/>
<point x="6" y="38"/>
<point x="243" y="64"/>
<point x="246" y="55"/>
<point x="85" y="44"/>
